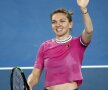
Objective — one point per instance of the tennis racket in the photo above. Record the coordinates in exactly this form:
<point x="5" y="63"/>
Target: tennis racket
<point x="18" y="80"/>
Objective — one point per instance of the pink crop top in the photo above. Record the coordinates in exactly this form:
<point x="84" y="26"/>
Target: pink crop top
<point x="62" y="62"/>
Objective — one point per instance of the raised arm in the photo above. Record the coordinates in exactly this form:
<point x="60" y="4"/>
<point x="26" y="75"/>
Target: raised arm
<point x="34" y="77"/>
<point x="88" y="28"/>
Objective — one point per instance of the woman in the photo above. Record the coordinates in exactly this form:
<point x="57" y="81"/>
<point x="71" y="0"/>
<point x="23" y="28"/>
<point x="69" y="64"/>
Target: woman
<point x="62" y="56"/>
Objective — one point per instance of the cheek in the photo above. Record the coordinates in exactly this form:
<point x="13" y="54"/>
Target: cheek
<point x="53" y="29"/>
<point x="67" y="26"/>
<point x="52" y="26"/>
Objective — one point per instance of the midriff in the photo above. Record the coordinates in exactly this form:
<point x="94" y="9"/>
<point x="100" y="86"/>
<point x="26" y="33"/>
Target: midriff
<point x="65" y="86"/>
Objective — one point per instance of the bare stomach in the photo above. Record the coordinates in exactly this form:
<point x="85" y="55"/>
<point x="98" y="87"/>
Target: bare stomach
<point x="65" y="86"/>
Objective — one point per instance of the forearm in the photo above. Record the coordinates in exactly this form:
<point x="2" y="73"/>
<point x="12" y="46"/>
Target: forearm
<point x="32" y="81"/>
<point x="87" y="21"/>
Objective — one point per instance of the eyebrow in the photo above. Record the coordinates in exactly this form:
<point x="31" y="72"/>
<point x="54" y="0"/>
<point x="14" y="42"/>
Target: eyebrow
<point x="60" y="19"/>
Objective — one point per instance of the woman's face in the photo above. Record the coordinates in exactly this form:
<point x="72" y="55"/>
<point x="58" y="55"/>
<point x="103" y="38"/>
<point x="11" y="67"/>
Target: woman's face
<point x="61" y="25"/>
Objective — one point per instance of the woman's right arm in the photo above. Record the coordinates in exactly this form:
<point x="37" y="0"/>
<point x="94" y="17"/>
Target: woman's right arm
<point x="34" y="77"/>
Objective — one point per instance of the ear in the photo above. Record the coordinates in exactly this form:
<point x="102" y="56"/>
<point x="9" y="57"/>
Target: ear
<point x="71" y="25"/>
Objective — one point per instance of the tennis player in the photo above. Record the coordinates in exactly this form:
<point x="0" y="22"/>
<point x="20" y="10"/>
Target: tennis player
<point x="62" y="56"/>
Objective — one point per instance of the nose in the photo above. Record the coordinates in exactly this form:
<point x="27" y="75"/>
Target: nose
<point x="58" y="23"/>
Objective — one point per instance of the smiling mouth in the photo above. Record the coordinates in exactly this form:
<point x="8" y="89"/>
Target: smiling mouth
<point x="59" y="30"/>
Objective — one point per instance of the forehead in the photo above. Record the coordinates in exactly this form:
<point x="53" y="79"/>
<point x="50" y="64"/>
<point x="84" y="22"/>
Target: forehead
<point x="57" y="16"/>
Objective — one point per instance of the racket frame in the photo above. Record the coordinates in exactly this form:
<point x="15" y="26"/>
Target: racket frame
<point x="26" y="86"/>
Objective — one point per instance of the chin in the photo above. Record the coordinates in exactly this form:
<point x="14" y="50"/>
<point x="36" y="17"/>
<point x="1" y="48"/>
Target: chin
<point x="60" y="35"/>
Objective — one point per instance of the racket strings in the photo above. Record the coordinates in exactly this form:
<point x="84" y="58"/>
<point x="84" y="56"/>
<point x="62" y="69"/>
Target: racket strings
<point x="18" y="80"/>
<point x="18" y="83"/>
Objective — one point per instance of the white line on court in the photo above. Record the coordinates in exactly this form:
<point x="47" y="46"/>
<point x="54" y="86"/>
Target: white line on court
<point x="9" y="68"/>
<point x="88" y="66"/>
<point x="95" y="66"/>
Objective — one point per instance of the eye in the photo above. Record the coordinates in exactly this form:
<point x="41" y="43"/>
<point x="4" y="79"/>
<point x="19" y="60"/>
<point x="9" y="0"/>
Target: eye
<point x="53" y="22"/>
<point x="62" y="20"/>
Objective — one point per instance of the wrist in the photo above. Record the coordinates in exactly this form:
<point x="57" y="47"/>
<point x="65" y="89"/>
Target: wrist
<point x="84" y="10"/>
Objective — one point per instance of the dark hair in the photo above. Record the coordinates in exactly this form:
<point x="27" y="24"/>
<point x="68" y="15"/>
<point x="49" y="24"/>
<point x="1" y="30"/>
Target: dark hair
<point x="62" y="10"/>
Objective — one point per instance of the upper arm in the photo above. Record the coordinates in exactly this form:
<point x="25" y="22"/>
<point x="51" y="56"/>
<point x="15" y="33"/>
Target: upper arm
<point x="39" y="62"/>
<point x="36" y="73"/>
<point x="86" y="37"/>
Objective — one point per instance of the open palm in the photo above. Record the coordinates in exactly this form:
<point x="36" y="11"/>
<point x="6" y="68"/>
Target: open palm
<point x="82" y="3"/>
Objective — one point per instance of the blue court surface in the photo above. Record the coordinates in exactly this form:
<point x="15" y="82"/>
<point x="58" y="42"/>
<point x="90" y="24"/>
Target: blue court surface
<point x="94" y="79"/>
<point x="25" y="24"/>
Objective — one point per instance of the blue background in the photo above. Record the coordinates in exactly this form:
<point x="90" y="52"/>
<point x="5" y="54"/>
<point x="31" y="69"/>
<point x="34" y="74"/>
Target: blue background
<point x="25" y="24"/>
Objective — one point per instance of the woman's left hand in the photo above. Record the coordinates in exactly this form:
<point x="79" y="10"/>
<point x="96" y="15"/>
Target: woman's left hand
<point x="82" y="3"/>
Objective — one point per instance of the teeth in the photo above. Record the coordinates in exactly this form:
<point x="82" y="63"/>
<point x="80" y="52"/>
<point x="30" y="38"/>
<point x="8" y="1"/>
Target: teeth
<point x="59" y="30"/>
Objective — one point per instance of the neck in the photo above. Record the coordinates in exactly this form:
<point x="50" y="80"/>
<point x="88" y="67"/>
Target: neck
<point x="63" y="39"/>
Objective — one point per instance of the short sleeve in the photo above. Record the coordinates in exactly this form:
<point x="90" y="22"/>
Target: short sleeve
<point x="82" y="42"/>
<point x="39" y="62"/>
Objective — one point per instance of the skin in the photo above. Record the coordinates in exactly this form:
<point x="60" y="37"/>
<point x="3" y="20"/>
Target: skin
<point x="61" y="27"/>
